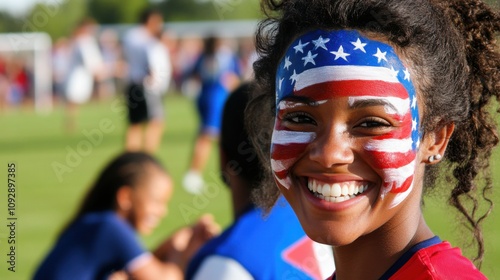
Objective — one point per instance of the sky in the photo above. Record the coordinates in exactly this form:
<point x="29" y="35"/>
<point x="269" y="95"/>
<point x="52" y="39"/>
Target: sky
<point x="19" y="7"/>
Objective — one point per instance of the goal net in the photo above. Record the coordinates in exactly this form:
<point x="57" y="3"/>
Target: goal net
<point x="33" y="51"/>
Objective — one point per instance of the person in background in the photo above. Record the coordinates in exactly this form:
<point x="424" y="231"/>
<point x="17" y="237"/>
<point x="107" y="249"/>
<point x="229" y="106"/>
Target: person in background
<point x="149" y="75"/>
<point x="254" y="246"/>
<point x="60" y="57"/>
<point x="4" y="84"/>
<point x="112" y="55"/>
<point x="85" y="65"/>
<point x="218" y="71"/>
<point x="130" y="196"/>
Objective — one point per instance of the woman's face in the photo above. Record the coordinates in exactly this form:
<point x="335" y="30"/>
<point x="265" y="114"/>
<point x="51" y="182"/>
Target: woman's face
<point x="149" y="201"/>
<point x="346" y="135"/>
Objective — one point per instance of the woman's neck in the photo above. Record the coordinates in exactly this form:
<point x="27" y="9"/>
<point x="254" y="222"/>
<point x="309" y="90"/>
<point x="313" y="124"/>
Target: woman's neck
<point x="370" y="256"/>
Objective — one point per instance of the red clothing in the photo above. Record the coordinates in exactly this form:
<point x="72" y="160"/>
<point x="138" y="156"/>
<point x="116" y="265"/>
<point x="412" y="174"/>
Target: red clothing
<point x="437" y="261"/>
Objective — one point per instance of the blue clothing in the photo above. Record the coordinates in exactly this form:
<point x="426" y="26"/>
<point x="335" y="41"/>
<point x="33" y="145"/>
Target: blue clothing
<point x="212" y="70"/>
<point x="272" y="247"/>
<point x="93" y="247"/>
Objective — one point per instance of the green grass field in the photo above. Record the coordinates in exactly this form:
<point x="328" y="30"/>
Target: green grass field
<point x="54" y="169"/>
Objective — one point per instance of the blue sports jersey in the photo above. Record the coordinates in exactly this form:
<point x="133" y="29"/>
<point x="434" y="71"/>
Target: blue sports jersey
<point x="212" y="72"/>
<point x="93" y="247"/>
<point x="272" y="247"/>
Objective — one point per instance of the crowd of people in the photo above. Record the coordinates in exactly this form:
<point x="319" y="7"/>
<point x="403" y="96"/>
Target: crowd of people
<point x="327" y="152"/>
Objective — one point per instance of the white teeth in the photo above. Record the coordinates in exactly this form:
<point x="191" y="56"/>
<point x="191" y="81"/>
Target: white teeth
<point x="326" y="191"/>
<point x="351" y="189"/>
<point x="336" y="192"/>
<point x="345" y="190"/>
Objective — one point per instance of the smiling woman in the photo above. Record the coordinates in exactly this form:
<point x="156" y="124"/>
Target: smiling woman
<point x="369" y="97"/>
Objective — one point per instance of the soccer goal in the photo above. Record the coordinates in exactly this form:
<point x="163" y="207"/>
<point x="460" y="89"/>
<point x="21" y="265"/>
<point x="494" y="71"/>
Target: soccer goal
<point x="34" y="49"/>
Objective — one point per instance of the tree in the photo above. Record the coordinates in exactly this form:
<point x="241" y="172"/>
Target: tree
<point x="116" y="11"/>
<point x="189" y="10"/>
<point x="9" y="23"/>
<point x="58" y="20"/>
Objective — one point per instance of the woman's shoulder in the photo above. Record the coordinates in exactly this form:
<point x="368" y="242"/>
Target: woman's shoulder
<point x="439" y="261"/>
<point x="103" y="220"/>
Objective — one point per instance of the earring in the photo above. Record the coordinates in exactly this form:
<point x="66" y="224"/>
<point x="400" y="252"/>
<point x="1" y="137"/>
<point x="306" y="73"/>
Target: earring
<point x="434" y="158"/>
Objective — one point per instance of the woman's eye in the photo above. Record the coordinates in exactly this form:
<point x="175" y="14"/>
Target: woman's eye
<point x="299" y="118"/>
<point x="374" y="123"/>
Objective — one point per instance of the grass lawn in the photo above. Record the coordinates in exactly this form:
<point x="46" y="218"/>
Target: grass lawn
<point x="54" y="169"/>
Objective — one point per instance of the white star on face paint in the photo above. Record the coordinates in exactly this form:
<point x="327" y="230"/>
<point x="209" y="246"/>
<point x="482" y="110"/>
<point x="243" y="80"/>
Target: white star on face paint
<point x="407" y="74"/>
<point x="340" y="54"/>
<point x="413" y="125"/>
<point x="418" y="142"/>
<point x="300" y="47"/>
<point x="288" y="63"/>
<point x="380" y="55"/>
<point x="320" y="43"/>
<point x="309" y="58"/>
<point x="394" y="73"/>
<point x="414" y="103"/>
<point x="359" y="46"/>
<point x="281" y="83"/>
<point x="294" y="77"/>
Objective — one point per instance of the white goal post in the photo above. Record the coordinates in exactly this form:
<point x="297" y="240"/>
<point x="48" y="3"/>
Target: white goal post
<point x="39" y="46"/>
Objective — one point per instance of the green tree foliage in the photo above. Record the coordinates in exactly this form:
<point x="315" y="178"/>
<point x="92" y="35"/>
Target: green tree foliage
<point x="58" y="20"/>
<point x="116" y="11"/>
<point x="58" y="17"/>
<point x="9" y="23"/>
<point x="187" y="10"/>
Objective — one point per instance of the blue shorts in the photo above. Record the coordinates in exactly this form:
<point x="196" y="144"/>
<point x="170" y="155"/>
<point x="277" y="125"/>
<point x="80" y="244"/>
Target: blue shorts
<point x="210" y="107"/>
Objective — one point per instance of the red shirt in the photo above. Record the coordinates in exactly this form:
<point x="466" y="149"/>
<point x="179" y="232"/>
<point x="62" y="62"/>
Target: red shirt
<point x="432" y="260"/>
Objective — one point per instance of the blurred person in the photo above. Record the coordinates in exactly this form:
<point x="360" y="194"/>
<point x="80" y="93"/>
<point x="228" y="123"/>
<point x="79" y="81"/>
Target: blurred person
<point x="4" y="83"/>
<point x="130" y="196"/>
<point x="149" y="75"/>
<point x="187" y="51"/>
<point x="218" y="70"/>
<point x="85" y="65"/>
<point x="60" y="57"/>
<point x="112" y="55"/>
<point x="248" y="55"/>
<point x="20" y="80"/>
<point x="254" y="246"/>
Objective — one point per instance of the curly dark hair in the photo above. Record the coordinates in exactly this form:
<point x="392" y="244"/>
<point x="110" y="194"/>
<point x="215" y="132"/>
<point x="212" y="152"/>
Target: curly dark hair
<point x="451" y="48"/>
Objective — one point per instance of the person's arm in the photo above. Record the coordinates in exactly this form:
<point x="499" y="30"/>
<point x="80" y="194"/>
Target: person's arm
<point x="92" y="57"/>
<point x="155" y="269"/>
<point x="160" y="69"/>
<point x="169" y="260"/>
<point x="221" y="268"/>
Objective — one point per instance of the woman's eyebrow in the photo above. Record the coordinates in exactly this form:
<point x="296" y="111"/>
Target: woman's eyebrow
<point x="369" y="102"/>
<point x="305" y="100"/>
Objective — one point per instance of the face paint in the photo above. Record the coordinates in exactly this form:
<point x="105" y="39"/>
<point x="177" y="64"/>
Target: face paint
<point x="322" y="65"/>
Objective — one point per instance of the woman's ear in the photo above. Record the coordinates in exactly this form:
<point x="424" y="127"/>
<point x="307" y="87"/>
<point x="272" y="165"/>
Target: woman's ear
<point x="435" y="143"/>
<point x="124" y="199"/>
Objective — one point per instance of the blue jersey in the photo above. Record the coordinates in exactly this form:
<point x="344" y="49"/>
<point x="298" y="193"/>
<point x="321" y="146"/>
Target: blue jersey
<point x="213" y="71"/>
<point x="93" y="247"/>
<point x="257" y="247"/>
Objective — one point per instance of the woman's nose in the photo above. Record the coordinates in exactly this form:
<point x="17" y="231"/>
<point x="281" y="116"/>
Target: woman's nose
<point x="334" y="147"/>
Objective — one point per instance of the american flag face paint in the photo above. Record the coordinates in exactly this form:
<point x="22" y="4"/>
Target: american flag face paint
<point x="322" y="65"/>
